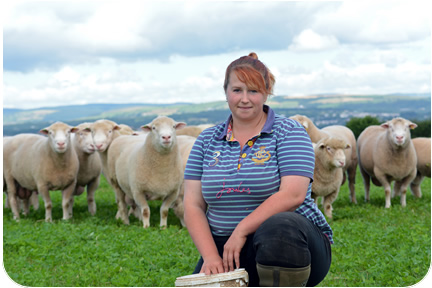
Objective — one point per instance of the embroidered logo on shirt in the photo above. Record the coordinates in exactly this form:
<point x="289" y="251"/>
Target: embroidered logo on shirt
<point x="231" y="190"/>
<point x="261" y="156"/>
<point x="216" y="160"/>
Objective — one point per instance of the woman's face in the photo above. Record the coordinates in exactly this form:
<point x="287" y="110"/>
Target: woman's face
<point x="244" y="103"/>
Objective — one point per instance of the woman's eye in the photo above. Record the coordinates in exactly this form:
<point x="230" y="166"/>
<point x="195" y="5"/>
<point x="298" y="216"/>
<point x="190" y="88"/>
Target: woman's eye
<point x="253" y="91"/>
<point x="236" y="90"/>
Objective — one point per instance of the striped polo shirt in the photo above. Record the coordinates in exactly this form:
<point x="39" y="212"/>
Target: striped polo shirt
<point x="235" y="181"/>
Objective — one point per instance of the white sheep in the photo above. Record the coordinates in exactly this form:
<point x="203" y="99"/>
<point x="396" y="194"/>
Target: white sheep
<point x="328" y="172"/>
<point x="422" y="146"/>
<point x="90" y="165"/>
<point x="42" y="164"/>
<point x="340" y="132"/>
<point x="147" y="167"/>
<point x="386" y="154"/>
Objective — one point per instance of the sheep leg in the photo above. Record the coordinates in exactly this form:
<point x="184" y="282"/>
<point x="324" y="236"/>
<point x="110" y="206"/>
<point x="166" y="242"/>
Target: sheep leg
<point x="382" y="178"/>
<point x="67" y="201"/>
<point x="34" y="200"/>
<point x="12" y="196"/>
<point x="43" y="190"/>
<point x="91" y="189"/>
<point x="141" y="201"/>
<point x="121" y="204"/>
<point x="26" y="206"/>
<point x="351" y="183"/>
<point x="166" y="204"/>
<point x="328" y="201"/>
<point x="415" y="186"/>
<point x="366" y="183"/>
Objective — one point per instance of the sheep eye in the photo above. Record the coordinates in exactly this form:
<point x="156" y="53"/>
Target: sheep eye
<point x="154" y="127"/>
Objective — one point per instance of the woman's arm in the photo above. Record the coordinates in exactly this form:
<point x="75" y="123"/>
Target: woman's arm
<point x="291" y="194"/>
<point x="198" y="227"/>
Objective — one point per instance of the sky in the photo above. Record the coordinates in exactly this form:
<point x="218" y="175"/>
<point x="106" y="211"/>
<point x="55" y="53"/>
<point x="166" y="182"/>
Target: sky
<point x="79" y="52"/>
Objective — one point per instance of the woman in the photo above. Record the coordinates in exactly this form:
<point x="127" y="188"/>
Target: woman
<point x="248" y="190"/>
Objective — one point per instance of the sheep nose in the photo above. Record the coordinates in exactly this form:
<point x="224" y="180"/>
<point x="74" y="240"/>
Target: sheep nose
<point x="61" y="144"/>
<point x="99" y="146"/>
<point x="342" y="163"/>
<point x="166" y="138"/>
<point x="399" y="138"/>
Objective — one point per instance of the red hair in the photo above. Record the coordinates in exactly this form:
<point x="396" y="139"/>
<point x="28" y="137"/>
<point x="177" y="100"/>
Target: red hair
<point x="252" y="72"/>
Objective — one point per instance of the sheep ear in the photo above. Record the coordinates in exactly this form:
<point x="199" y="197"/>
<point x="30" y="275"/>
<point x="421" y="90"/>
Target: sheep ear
<point x="314" y="145"/>
<point x="412" y="125"/>
<point x="74" y="130"/>
<point x="347" y="146"/>
<point x="116" y="127"/>
<point x="88" y="129"/>
<point x="322" y="146"/>
<point x="179" y="125"/>
<point x="305" y="125"/>
<point x="44" y="131"/>
<point x="146" y="128"/>
<point x="385" y="125"/>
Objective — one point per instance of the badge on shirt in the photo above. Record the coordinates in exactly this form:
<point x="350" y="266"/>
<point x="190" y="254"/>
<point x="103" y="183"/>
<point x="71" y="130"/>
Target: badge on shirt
<point x="261" y="156"/>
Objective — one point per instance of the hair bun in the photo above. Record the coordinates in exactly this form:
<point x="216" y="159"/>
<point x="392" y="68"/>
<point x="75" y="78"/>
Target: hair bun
<point x="253" y="55"/>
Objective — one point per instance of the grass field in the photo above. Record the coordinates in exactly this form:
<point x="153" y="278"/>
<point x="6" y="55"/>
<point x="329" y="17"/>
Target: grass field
<point x="373" y="246"/>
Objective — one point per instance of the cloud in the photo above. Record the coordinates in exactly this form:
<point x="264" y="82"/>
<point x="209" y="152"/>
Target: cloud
<point x="308" y="40"/>
<point x="83" y="32"/>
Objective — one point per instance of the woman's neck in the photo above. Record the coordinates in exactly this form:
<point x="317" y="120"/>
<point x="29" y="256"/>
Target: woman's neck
<point x="245" y="130"/>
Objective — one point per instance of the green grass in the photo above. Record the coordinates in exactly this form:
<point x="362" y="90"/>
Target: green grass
<point x="373" y="246"/>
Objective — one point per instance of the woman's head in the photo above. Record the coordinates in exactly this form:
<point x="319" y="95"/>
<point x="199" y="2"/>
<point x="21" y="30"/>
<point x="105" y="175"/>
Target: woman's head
<point x="252" y="72"/>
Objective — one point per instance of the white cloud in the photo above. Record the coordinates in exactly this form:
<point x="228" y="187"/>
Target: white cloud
<point x="308" y="40"/>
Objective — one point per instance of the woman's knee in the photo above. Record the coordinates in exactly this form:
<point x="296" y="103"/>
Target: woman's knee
<point x="281" y="241"/>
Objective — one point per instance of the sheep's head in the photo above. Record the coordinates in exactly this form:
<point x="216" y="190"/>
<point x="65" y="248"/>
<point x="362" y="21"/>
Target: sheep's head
<point x="103" y="133"/>
<point x="163" y="132"/>
<point x="59" y="136"/>
<point x="398" y="131"/>
<point x="331" y="150"/>
<point x="84" y="139"/>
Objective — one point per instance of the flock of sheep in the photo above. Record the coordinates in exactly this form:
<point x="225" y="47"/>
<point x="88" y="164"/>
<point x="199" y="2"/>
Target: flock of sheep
<point x="136" y="164"/>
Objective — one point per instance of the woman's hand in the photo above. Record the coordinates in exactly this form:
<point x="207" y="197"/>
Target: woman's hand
<point x="212" y="265"/>
<point x="232" y="249"/>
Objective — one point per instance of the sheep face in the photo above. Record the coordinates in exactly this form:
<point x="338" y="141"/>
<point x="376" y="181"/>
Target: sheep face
<point x="398" y="131"/>
<point x="103" y="132"/>
<point x="59" y="136"/>
<point x="85" y="140"/>
<point x="332" y="150"/>
<point x="163" y="132"/>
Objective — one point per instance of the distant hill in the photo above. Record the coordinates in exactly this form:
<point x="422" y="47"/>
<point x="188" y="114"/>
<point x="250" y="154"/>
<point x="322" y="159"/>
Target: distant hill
<point x="323" y="109"/>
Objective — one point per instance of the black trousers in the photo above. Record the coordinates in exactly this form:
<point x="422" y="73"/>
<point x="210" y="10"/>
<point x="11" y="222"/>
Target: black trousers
<point x="288" y="240"/>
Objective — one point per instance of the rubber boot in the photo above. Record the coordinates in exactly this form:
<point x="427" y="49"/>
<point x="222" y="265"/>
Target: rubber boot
<point x="273" y="276"/>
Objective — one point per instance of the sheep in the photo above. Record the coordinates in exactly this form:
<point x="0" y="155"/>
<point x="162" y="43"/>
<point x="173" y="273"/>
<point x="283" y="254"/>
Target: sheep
<point x="386" y="154"/>
<point x="422" y="146"/>
<point x="90" y="165"/>
<point x="147" y="167"/>
<point x="344" y="133"/>
<point x="193" y="131"/>
<point x="328" y="172"/>
<point x="42" y="164"/>
<point x="185" y="146"/>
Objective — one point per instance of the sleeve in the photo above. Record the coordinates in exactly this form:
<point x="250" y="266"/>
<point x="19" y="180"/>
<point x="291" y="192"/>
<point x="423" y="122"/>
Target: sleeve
<point x="194" y="165"/>
<point x="294" y="150"/>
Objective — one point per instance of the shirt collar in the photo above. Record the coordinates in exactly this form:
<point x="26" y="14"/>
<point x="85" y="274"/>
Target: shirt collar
<point x="267" y="128"/>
